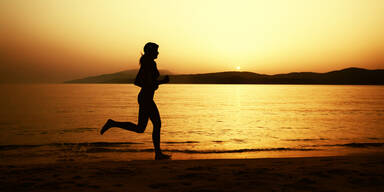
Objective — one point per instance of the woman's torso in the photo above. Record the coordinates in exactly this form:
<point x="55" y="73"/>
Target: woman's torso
<point x="148" y="67"/>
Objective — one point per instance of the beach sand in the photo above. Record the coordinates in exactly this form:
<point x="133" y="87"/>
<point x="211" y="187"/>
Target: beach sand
<point x="342" y="173"/>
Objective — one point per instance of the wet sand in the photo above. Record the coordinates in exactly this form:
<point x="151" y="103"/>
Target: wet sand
<point x="342" y="173"/>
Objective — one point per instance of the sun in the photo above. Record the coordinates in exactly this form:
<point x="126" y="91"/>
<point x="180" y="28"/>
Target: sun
<point x="238" y="68"/>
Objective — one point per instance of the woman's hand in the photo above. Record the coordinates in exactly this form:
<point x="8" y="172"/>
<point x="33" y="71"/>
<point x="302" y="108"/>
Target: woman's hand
<point x="166" y="79"/>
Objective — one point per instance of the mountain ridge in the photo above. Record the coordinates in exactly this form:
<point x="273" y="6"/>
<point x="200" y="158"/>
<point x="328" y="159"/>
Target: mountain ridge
<point x="352" y="75"/>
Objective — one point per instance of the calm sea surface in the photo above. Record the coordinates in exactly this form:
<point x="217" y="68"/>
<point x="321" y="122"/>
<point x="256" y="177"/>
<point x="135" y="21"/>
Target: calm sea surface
<point x="61" y="122"/>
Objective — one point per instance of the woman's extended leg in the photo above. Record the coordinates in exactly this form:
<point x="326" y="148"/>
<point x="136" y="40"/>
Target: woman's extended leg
<point x="139" y="128"/>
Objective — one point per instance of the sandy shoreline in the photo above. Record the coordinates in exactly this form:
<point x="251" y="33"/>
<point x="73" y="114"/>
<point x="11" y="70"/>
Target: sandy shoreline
<point x="342" y="173"/>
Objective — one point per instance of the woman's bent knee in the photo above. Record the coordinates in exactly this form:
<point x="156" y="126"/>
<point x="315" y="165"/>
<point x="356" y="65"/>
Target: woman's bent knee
<point x="140" y="130"/>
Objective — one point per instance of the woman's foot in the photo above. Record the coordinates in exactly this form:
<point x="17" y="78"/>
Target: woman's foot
<point x="162" y="156"/>
<point x="106" y="126"/>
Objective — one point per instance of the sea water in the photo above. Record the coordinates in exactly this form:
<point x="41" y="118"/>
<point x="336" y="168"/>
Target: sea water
<point x="61" y="122"/>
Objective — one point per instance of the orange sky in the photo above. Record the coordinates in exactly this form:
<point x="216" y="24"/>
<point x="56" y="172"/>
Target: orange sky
<point x="48" y="41"/>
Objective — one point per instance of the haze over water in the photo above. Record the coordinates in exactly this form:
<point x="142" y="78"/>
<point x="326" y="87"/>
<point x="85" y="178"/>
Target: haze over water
<point x="62" y="121"/>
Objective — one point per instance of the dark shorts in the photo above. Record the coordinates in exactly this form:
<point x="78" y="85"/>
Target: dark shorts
<point x="145" y="96"/>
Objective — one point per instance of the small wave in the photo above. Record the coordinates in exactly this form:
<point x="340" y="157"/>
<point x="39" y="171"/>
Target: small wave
<point x="107" y="144"/>
<point x="103" y="150"/>
<point x="238" y="140"/>
<point x="180" y="142"/>
<point x="240" y="150"/>
<point x="94" y="144"/>
<point x="10" y="147"/>
<point x="352" y="145"/>
<point x="319" y="139"/>
<point x="357" y="145"/>
<point x="78" y="130"/>
<point x="375" y="138"/>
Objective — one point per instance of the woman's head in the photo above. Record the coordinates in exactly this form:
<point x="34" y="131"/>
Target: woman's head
<point x="151" y="50"/>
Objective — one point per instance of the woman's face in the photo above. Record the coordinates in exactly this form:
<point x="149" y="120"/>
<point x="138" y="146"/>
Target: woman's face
<point x="155" y="54"/>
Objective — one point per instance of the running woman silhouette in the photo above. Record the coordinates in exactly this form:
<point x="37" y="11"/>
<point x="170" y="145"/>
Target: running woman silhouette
<point x="146" y="79"/>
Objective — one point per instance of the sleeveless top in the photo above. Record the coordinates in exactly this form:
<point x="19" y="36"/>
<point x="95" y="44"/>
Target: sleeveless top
<point x="148" y="66"/>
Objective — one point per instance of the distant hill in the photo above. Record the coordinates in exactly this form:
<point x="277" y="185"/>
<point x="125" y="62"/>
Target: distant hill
<point x="126" y="76"/>
<point x="350" y="76"/>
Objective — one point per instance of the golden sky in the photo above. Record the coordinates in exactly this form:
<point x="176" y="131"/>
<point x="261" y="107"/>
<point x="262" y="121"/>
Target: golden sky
<point x="52" y="40"/>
